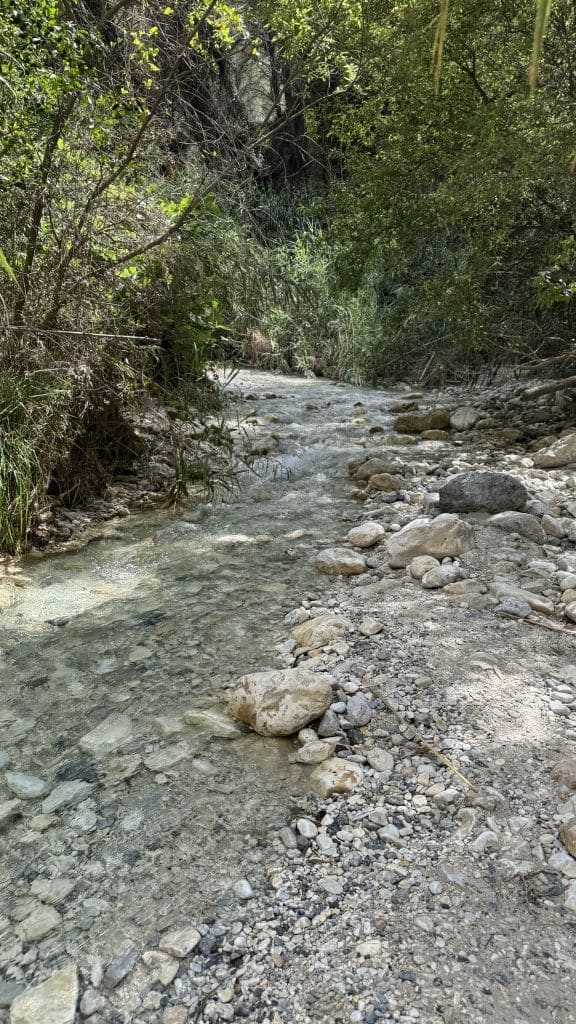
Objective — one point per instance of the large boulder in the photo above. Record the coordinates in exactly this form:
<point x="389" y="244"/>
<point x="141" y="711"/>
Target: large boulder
<point x="521" y="523"/>
<point x="387" y="482"/>
<point x="446" y="536"/>
<point x="417" y="422"/>
<point x="340" y="562"/>
<point x="482" y="491"/>
<point x="279" y="703"/>
<point x="320" y="631"/>
<point x="561" y="453"/>
<point x="363" y="470"/>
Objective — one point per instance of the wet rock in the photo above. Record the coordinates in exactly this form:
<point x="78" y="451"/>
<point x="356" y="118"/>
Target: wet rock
<point x="441" y="576"/>
<point x="380" y="760"/>
<point x="435" y="435"/>
<point x="483" y="491"/>
<point x="52" y="1002"/>
<point x="91" y="1002"/>
<point x="77" y="770"/>
<point x="8" y="992"/>
<point x="27" y="787"/>
<point x="67" y="794"/>
<point x="9" y="810"/>
<point x="39" y="923"/>
<point x="564" y="772"/>
<point x="464" y="418"/>
<point x="561" y="453"/>
<point x="366" y="535"/>
<point x="168" y="757"/>
<point x="243" y="890"/>
<point x="215" y="722"/>
<point x="279" y="703"/>
<point x="108" y="737"/>
<point x="180" y="942"/>
<point x="421" y="565"/>
<point x="336" y="776"/>
<point x="52" y="890"/>
<point x="417" y="422"/>
<point x="445" y="536"/>
<point x="519" y="522"/>
<point x="120" y="968"/>
<point x="320" y="631"/>
<point x="306" y="828"/>
<point x="340" y="562"/>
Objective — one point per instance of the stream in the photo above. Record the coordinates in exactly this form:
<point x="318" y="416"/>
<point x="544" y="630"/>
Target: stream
<point x="150" y="624"/>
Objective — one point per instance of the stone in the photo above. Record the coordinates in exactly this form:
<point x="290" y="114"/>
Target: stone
<point x="564" y="772"/>
<point x="180" y="942"/>
<point x="120" y="968"/>
<point x="175" y="1015"/>
<point x="386" y="482"/>
<point x="482" y="491"/>
<point x="340" y="562"/>
<point x="215" y="722"/>
<point x="8" y="992"/>
<point x="52" y="890"/>
<point x="9" y="810"/>
<point x="306" y="828"/>
<point x="421" y="565"/>
<point x="570" y="611"/>
<point x="168" y="757"/>
<point x="441" y="576"/>
<point x="464" y="418"/>
<point x="380" y="760"/>
<point x="417" y="422"/>
<point x="366" y="535"/>
<point x="369" y="948"/>
<point x="365" y="468"/>
<point x="316" y="751"/>
<point x="509" y="590"/>
<point x="26" y="787"/>
<point x="513" y="606"/>
<point x="91" y="1002"/>
<point x="164" y="967"/>
<point x="435" y="435"/>
<point x="320" y="631"/>
<point x="447" y="536"/>
<point x="279" y="703"/>
<point x="358" y="710"/>
<point x="370" y="627"/>
<point x="567" y="834"/>
<point x="570" y="896"/>
<point x="243" y="890"/>
<point x="108" y="737"/>
<point x="52" y="1002"/>
<point x="561" y="453"/>
<point x="519" y="522"/>
<point x="67" y="794"/>
<point x="329" y="725"/>
<point x="336" y="776"/>
<point x="39" y="923"/>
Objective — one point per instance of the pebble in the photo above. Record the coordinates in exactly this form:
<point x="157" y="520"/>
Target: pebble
<point x="243" y="890"/>
<point x="26" y="787"/>
<point x="180" y="942"/>
<point x="120" y="968"/>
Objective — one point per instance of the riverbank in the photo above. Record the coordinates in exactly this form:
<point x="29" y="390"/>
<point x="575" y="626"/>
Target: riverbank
<point x="427" y="892"/>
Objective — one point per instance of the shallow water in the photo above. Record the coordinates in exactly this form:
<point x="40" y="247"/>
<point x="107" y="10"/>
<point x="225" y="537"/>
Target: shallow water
<point x="151" y="623"/>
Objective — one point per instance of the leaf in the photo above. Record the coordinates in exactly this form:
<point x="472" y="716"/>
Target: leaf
<point x="5" y="266"/>
<point x="543" y="8"/>
<point x="439" y="40"/>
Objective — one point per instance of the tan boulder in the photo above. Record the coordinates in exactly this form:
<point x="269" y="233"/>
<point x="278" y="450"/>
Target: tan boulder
<point x="447" y="536"/>
<point x="417" y="422"/>
<point x="279" y="703"/>
<point x="561" y="453"/>
<point x="336" y="776"/>
<point x="366" y="535"/>
<point x="565" y="772"/>
<point x="320" y="631"/>
<point x="52" y="1002"/>
<point x="340" y="562"/>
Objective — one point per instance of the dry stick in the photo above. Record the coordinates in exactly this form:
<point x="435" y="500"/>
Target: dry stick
<point x="554" y="626"/>
<point x="548" y="389"/>
<point x="427" y="746"/>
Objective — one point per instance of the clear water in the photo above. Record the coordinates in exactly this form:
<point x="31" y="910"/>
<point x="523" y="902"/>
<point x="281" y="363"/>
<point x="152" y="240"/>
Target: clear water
<point x="160" y="618"/>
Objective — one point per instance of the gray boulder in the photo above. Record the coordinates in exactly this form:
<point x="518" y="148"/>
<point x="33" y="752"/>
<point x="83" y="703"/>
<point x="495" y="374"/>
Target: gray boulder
<point x="482" y="491"/>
